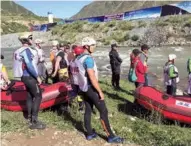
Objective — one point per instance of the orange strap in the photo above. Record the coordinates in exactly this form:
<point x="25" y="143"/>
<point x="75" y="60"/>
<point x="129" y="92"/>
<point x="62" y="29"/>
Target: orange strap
<point x="104" y="127"/>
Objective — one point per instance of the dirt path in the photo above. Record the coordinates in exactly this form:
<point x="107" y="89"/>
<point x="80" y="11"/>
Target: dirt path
<point x="52" y="137"/>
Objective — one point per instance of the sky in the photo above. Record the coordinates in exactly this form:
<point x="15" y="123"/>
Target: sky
<point x="60" y="9"/>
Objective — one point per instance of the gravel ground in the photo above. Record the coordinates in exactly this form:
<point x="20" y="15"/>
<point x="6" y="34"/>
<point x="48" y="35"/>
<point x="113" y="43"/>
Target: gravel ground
<point x="52" y="137"/>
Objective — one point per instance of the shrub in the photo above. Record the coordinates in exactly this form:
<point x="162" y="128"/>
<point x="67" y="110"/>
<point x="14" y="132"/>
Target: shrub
<point x="125" y="25"/>
<point x="187" y="23"/>
<point x="174" y="19"/>
<point x="142" y="24"/>
<point x="118" y="36"/>
<point x="96" y="25"/>
<point x="111" y="24"/>
<point x="161" y="23"/>
<point x="105" y="30"/>
<point x="135" y="38"/>
<point x="126" y="37"/>
<point x="105" y="41"/>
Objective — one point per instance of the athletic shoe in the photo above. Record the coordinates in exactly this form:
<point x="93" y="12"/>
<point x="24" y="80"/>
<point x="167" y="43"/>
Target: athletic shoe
<point x="115" y="139"/>
<point x="37" y="125"/>
<point x="92" y="136"/>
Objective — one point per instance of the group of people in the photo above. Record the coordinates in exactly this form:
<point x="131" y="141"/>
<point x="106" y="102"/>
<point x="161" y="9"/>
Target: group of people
<point x="138" y="62"/>
<point x="75" y="65"/>
<point x="139" y="66"/>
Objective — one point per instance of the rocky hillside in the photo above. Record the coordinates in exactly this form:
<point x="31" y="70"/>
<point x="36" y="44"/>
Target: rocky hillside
<point x="11" y="8"/>
<point x="15" y="18"/>
<point x="170" y="30"/>
<point x="98" y="8"/>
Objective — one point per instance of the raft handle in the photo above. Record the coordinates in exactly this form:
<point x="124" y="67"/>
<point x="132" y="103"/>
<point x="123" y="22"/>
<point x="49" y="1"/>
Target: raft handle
<point x="165" y="97"/>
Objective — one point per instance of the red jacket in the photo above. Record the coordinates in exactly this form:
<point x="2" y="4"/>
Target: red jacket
<point x="140" y="70"/>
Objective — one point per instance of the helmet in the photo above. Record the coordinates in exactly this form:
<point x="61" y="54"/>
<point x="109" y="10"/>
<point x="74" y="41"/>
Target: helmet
<point x="38" y="41"/>
<point x="171" y="56"/>
<point x="55" y="43"/>
<point x="25" y="35"/>
<point x="88" y="41"/>
<point x="78" y="50"/>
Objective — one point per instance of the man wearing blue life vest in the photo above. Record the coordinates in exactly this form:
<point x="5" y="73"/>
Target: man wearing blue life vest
<point x="189" y="75"/>
<point x="25" y="67"/>
<point x="92" y="93"/>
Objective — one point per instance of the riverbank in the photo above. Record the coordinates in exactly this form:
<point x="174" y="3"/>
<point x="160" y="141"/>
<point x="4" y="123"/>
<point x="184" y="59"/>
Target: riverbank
<point x="141" y="129"/>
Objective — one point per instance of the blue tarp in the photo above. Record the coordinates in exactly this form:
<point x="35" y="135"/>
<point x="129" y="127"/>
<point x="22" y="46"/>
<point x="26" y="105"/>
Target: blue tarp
<point x="143" y="13"/>
<point x="184" y="5"/>
<point x="113" y="17"/>
<point x="94" y="19"/>
<point x="153" y="12"/>
<point x="43" y="27"/>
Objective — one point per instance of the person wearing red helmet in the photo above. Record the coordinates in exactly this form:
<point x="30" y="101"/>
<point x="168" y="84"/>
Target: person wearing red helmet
<point x="73" y="68"/>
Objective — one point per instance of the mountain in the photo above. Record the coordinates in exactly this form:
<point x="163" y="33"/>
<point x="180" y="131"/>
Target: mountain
<point x="98" y="8"/>
<point x="11" y="8"/>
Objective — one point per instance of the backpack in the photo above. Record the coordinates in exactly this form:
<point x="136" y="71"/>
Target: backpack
<point x="132" y="75"/>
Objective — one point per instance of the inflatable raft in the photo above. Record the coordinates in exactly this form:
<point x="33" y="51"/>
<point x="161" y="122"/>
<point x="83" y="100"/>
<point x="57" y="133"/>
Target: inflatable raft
<point x="14" y="99"/>
<point x="171" y="107"/>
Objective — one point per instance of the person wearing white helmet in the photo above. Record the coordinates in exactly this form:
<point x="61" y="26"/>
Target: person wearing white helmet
<point x="41" y="61"/>
<point x="25" y="67"/>
<point x="92" y="93"/>
<point x="171" y="77"/>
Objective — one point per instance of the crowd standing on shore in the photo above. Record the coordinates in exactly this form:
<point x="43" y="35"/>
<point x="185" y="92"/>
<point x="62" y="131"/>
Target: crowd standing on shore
<point x="76" y="66"/>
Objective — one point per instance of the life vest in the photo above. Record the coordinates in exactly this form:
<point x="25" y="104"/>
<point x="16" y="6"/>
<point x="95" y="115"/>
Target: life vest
<point x="146" y="59"/>
<point x="167" y="79"/>
<point x="41" y="55"/>
<point x="74" y="72"/>
<point x="189" y="84"/>
<point x="53" y="53"/>
<point x="189" y="65"/>
<point x="2" y="80"/>
<point x="63" y="72"/>
<point x="18" y="61"/>
<point x="82" y="76"/>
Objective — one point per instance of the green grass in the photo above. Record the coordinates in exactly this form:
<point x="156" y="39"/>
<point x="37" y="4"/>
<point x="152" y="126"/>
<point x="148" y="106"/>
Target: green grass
<point x="139" y="131"/>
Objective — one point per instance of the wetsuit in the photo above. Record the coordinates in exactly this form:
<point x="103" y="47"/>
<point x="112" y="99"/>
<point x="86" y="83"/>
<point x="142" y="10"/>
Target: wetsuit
<point x="29" y="78"/>
<point x="91" y="96"/>
<point x="189" y="75"/>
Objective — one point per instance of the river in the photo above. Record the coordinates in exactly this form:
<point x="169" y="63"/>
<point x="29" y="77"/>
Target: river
<point x="157" y="58"/>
